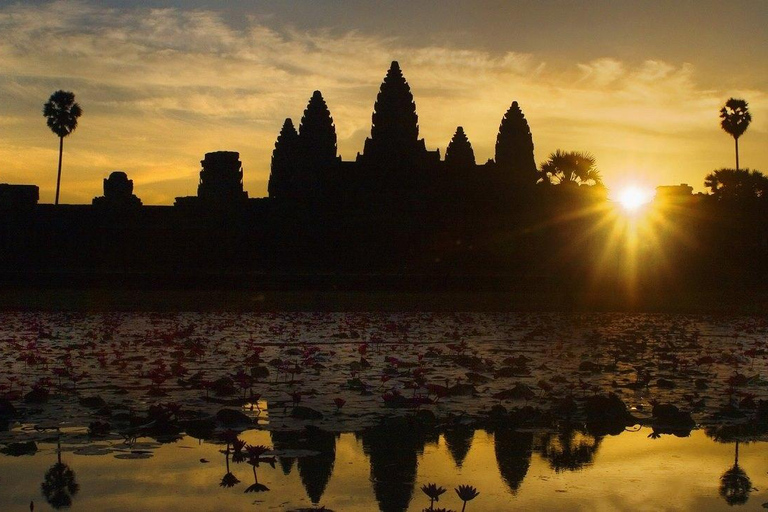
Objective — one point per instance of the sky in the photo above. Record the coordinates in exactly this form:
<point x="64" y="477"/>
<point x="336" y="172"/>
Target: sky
<point x="161" y="82"/>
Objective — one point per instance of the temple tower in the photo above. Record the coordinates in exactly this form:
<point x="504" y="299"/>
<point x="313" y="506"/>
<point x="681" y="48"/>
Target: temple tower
<point x="459" y="154"/>
<point x="221" y="179"/>
<point x="394" y="140"/>
<point x="514" y="149"/>
<point x="284" y="162"/>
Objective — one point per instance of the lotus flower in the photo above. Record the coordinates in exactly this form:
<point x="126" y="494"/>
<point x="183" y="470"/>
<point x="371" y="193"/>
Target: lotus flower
<point x="466" y="493"/>
<point x="229" y="480"/>
<point x="433" y="492"/>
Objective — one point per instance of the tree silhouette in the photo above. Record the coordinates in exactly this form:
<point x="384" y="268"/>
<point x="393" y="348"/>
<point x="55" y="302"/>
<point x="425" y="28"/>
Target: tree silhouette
<point x="459" y="154"/>
<point x="284" y="161"/>
<point x="569" y="450"/>
<point x="570" y="168"/>
<point x="737" y="185"/>
<point x="735" y="119"/>
<point x="62" y="113"/>
<point x="59" y="485"/>
<point x="735" y="485"/>
<point x="514" y="147"/>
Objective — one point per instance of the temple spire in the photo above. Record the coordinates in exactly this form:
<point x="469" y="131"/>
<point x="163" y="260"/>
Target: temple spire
<point x="284" y="161"/>
<point x="395" y="130"/>
<point x="459" y="153"/>
<point x="317" y="133"/>
<point x="394" y="113"/>
<point x="514" y="148"/>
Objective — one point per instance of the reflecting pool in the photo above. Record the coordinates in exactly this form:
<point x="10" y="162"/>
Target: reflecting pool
<point x="357" y="412"/>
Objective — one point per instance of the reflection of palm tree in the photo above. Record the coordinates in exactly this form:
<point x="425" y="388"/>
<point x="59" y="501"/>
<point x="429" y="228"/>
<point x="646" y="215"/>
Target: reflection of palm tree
<point x="735" y="120"/>
<point x="60" y="484"/>
<point x="513" y="456"/>
<point x="62" y="113"/>
<point x="735" y="485"/>
<point x="570" y="450"/>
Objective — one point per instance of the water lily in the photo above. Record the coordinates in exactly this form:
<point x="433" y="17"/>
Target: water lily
<point x="433" y="492"/>
<point x="229" y="480"/>
<point x="466" y="493"/>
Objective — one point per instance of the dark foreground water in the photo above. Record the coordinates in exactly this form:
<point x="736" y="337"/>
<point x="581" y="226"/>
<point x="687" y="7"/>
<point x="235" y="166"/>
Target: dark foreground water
<point x="356" y="412"/>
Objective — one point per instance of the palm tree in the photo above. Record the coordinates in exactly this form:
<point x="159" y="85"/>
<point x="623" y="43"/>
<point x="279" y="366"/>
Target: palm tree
<point x="735" y="485"/>
<point x="60" y="484"/>
<point x="570" y="167"/>
<point x="735" y="120"/>
<point x="737" y="185"/>
<point x="62" y="113"/>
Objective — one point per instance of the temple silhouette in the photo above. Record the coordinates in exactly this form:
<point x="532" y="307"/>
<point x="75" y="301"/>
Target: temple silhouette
<point x="395" y="164"/>
<point x="397" y="216"/>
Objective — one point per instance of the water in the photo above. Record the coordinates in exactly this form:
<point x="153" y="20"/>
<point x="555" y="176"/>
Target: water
<point x="370" y="454"/>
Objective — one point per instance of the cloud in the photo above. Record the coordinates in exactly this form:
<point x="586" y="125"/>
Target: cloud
<point x="160" y="87"/>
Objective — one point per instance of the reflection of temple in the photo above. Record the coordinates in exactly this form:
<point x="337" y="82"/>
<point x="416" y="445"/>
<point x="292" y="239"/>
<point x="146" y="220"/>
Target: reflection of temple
<point x="314" y="471"/>
<point x="458" y="439"/>
<point x="393" y="448"/>
<point x="513" y="455"/>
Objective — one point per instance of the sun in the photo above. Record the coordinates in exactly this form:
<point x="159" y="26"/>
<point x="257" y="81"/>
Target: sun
<point x="633" y="198"/>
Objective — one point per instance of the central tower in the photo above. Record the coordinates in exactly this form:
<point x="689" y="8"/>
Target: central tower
<point x="394" y="140"/>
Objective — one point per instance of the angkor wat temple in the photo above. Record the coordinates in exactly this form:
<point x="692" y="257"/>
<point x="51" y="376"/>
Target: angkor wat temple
<point x="397" y="213"/>
<point x="395" y="163"/>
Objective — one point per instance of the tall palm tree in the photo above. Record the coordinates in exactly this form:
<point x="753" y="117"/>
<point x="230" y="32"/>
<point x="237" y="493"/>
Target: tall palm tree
<point x="570" y="167"/>
<point x="735" y="120"/>
<point x="62" y="113"/>
<point x="735" y="485"/>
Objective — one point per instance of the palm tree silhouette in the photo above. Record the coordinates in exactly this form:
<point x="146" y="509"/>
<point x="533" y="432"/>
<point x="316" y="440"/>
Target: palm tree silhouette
<point x="62" y="113"/>
<point x="737" y="185"/>
<point x="570" y="168"/>
<point x="735" y="120"/>
<point x="60" y="484"/>
<point x="735" y="485"/>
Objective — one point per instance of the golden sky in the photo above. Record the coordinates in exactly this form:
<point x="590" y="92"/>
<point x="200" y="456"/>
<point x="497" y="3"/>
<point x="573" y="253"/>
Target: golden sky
<point x="162" y="82"/>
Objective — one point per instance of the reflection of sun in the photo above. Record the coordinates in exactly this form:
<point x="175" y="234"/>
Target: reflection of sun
<point x="632" y="198"/>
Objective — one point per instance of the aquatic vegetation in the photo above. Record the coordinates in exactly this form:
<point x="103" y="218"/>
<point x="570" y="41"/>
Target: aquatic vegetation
<point x="433" y="492"/>
<point x="466" y="493"/>
<point x="526" y="378"/>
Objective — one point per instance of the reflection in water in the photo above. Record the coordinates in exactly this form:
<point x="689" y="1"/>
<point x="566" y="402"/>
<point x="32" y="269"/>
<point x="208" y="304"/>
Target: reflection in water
<point x="228" y="480"/>
<point x="513" y="455"/>
<point x="459" y="440"/>
<point x="314" y="471"/>
<point x="629" y="472"/>
<point x="60" y="484"/>
<point x="569" y="449"/>
<point x="735" y="485"/>
<point x="393" y="447"/>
